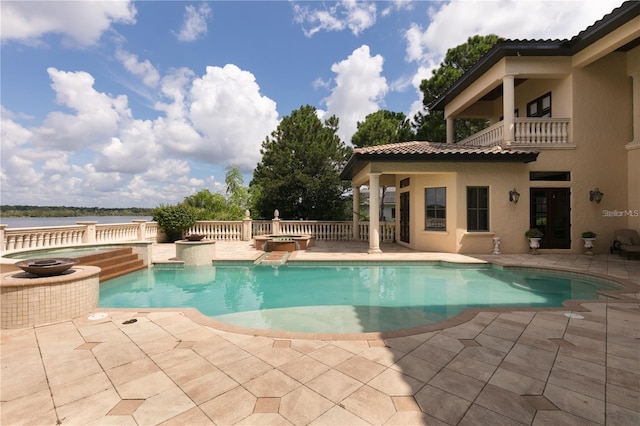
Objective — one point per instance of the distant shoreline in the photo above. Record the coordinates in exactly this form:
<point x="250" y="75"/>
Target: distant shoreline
<point x="34" y="222"/>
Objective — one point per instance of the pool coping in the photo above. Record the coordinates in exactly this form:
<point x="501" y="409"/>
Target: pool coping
<point x="468" y="314"/>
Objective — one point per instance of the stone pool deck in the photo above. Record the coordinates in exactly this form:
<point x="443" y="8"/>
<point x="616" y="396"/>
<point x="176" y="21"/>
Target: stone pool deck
<point x="499" y="367"/>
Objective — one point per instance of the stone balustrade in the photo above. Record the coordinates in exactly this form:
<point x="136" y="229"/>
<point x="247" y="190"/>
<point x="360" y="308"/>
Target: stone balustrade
<point x="140" y="230"/>
<point x="528" y="132"/>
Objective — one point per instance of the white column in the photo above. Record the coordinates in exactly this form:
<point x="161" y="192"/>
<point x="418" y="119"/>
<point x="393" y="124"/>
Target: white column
<point x="450" y="129"/>
<point x="374" y="213"/>
<point x="508" y="106"/>
<point x="356" y="212"/>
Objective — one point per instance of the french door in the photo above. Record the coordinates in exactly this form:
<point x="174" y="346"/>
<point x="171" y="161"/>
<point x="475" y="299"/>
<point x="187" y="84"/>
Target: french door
<point x="551" y="213"/>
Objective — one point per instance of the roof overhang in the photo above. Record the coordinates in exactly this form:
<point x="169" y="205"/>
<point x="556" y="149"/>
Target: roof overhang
<point x="426" y="152"/>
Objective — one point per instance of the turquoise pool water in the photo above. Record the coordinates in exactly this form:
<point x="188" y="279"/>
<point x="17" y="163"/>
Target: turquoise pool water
<point x="341" y="298"/>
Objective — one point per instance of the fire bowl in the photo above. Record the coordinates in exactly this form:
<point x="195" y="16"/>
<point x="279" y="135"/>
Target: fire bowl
<point x="46" y="267"/>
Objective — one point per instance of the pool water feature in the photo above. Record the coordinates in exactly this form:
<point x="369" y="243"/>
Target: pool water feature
<point x="347" y="298"/>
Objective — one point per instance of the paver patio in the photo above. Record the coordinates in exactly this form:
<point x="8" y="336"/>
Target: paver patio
<point x="499" y="367"/>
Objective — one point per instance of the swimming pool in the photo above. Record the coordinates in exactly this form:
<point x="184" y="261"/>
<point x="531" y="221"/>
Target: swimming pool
<point x="352" y="298"/>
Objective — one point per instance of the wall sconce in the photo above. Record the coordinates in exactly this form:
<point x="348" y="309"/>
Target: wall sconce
<point x="595" y="195"/>
<point x="514" y="196"/>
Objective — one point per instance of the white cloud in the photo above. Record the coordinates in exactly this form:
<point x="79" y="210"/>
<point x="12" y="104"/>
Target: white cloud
<point x="226" y="107"/>
<point x="349" y="14"/>
<point x="79" y="22"/>
<point x="96" y="116"/>
<point x="195" y="22"/>
<point x="359" y="90"/>
<point x="143" y="69"/>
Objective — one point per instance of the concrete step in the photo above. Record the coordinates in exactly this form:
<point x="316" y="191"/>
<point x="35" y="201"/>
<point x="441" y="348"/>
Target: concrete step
<point x="113" y="263"/>
<point x="121" y="269"/>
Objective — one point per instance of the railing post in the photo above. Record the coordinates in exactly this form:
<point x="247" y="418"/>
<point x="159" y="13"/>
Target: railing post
<point x="89" y="235"/>
<point x="2" y="243"/>
<point x="142" y="229"/>
<point x="246" y="227"/>
<point x="275" y="223"/>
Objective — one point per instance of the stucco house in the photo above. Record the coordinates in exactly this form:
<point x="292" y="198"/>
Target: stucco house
<point x="562" y="153"/>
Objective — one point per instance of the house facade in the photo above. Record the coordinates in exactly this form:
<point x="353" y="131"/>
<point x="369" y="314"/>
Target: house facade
<point x="561" y="154"/>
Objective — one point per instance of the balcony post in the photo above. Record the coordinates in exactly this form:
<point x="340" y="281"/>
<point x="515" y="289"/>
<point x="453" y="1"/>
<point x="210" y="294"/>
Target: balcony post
<point x="450" y="125"/>
<point x="508" y="106"/>
<point x="356" y="213"/>
<point x="374" y="213"/>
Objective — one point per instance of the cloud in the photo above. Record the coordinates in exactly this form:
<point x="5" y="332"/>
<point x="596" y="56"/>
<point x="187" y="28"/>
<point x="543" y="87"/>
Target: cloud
<point x="79" y="22"/>
<point x="143" y="69"/>
<point x="226" y="107"/>
<point x="96" y="115"/>
<point x="195" y="22"/>
<point x="349" y="14"/>
<point x="359" y="90"/>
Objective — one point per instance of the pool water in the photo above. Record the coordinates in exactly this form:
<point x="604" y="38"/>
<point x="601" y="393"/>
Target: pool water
<point x="341" y="298"/>
<point x="59" y="252"/>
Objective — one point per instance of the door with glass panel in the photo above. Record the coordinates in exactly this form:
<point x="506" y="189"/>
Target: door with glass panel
<point x="551" y="213"/>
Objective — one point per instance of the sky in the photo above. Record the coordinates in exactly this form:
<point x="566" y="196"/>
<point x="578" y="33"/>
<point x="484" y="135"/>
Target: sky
<point x="120" y="103"/>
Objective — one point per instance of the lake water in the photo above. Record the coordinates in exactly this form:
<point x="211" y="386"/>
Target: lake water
<point x="35" y="222"/>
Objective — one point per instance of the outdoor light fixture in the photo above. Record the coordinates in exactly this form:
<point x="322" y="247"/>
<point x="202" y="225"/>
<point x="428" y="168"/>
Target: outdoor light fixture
<point x="514" y="196"/>
<point x="595" y="195"/>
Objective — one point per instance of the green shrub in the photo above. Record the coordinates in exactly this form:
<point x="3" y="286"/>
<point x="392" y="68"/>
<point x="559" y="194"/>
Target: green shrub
<point x="174" y="220"/>
<point x="588" y="234"/>
<point x="533" y="233"/>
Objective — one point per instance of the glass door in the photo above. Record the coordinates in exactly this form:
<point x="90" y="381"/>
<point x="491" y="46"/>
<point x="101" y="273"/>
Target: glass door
<point x="551" y="213"/>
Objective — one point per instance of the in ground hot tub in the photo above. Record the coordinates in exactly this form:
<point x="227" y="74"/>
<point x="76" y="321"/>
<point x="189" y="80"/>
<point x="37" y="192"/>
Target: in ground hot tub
<point x="282" y="242"/>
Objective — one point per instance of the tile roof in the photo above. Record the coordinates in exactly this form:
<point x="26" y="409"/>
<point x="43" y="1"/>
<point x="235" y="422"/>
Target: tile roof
<point x="421" y="151"/>
<point x="432" y="148"/>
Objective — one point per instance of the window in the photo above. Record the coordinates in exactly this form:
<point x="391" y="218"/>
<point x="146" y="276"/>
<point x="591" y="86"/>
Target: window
<point x="435" y="209"/>
<point x="550" y="176"/>
<point x="477" y="208"/>
<point x="540" y="107"/>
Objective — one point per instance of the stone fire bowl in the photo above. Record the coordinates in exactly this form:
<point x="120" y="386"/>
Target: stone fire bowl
<point x="46" y="267"/>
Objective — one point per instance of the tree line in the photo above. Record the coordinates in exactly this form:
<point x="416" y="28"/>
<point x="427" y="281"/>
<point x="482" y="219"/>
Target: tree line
<point x="63" y="211"/>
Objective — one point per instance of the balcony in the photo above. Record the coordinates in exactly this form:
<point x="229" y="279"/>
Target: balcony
<point x="528" y="133"/>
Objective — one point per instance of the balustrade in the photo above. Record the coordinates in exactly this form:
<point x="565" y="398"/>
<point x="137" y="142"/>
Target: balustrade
<point x="530" y="132"/>
<point x="90" y="232"/>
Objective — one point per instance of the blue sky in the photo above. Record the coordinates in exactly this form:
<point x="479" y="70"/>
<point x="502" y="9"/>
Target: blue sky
<point x="140" y="103"/>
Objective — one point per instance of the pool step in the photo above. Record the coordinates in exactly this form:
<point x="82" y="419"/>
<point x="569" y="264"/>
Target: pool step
<point x="114" y="263"/>
<point x="273" y="258"/>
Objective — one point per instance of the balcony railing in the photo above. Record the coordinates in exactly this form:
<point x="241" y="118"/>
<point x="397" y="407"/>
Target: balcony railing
<point x="528" y="132"/>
